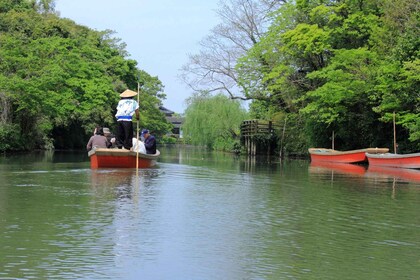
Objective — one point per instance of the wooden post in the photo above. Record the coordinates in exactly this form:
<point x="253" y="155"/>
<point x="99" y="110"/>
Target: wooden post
<point x="270" y="133"/>
<point x="282" y="137"/>
<point x="395" y="135"/>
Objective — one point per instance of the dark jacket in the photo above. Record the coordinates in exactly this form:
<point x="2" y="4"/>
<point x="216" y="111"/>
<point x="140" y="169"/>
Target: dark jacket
<point x="150" y="144"/>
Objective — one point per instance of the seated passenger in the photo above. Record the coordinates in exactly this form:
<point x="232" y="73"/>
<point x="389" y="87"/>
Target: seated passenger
<point x="149" y="142"/>
<point x="98" y="140"/>
<point x="110" y="137"/>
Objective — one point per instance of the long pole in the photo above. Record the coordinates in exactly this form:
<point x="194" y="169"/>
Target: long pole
<point x="282" y="138"/>
<point x="138" y="144"/>
<point x="395" y="135"/>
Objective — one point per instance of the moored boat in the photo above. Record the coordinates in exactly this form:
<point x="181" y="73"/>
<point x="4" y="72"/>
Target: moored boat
<point x="394" y="160"/>
<point x="118" y="158"/>
<point x="352" y="156"/>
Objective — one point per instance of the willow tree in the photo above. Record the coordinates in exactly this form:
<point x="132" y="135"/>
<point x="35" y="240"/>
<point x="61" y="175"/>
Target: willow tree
<point x="213" y="121"/>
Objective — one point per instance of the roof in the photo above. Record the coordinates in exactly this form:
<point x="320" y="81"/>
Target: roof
<point x="166" y="111"/>
<point x="175" y="119"/>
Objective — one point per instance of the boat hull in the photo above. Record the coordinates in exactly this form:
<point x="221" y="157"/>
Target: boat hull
<point x="394" y="160"/>
<point x="353" y="156"/>
<point x="116" y="158"/>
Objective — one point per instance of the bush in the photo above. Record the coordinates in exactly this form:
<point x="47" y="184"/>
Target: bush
<point x="168" y="140"/>
<point x="10" y="139"/>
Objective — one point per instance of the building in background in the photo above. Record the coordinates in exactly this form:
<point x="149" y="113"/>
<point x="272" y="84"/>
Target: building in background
<point x="175" y="120"/>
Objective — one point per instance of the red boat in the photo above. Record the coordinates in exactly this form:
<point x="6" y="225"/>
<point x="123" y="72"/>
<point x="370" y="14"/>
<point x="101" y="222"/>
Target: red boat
<point x="353" y="156"/>
<point x="394" y="160"/>
<point x="118" y="158"/>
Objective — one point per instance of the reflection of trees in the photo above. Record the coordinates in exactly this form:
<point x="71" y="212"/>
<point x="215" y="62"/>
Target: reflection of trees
<point x="50" y="222"/>
<point x="55" y="225"/>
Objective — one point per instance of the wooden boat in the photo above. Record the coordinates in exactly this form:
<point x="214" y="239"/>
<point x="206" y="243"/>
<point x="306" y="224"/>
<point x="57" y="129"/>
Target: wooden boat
<point x="118" y="158"/>
<point x="352" y="156"/>
<point x="394" y="160"/>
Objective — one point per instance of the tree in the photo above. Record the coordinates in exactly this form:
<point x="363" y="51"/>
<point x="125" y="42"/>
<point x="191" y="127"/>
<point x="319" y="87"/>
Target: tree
<point x="243" y="24"/>
<point x="343" y="103"/>
<point x="213" y="121"/>
<point x="398" y="81"/>
<point x="346" y="65"/>
<point x="58" y="80"/>
<point x="151" y="93"/>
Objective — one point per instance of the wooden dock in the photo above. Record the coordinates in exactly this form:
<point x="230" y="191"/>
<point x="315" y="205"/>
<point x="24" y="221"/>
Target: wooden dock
<point x="258" y="136"/>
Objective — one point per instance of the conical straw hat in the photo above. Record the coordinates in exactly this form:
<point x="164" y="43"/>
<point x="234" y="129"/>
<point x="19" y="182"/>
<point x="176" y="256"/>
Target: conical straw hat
<point x="128" y="93"/>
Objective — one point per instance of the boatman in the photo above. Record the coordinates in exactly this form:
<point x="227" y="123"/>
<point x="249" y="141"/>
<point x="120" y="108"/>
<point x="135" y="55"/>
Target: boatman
<point x="126" y="108"/>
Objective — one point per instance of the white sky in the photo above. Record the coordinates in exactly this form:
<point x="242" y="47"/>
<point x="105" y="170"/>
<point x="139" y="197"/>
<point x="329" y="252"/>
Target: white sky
<point x="159" y="33"/>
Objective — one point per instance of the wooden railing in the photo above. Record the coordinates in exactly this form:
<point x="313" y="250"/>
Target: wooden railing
<point x="251" y="133"/>
<point x="254" y="127"/>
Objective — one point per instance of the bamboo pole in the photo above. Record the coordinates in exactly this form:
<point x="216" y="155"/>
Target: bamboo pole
<point x="270" y="131"/>
<point x="138" y="120"/>
<point x="282" y="137"/>
<point x="395" y="134"/>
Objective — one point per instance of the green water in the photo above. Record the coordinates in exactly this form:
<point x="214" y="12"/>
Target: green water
<point x="201" y="215"/>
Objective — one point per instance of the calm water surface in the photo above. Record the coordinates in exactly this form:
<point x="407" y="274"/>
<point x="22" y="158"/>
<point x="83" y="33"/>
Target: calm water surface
<point x="201" y="215"/>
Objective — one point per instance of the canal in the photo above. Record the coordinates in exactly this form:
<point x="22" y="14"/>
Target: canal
<point x="206" y="215"/>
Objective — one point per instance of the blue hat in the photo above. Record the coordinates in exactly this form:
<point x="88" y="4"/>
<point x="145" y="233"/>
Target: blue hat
<point x="144" y="131"/>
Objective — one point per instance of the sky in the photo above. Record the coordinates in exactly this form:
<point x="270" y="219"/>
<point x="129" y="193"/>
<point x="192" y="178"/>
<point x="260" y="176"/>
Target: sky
<point x="159" y="34"/>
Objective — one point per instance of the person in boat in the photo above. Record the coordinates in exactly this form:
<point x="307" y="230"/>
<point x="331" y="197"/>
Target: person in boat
<point x="110" y="137"/>
<point x="98" y="140"/>
<point x="126" y="108"/>
<point x="149" y="141"/>
<point x="138" y="146"/>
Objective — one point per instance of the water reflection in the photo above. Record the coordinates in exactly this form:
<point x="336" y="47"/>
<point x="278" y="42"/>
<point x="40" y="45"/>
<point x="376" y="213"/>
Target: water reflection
<point x="339" y="173"/>
<point x="201" y="215"/>
<point x="390" y="173"/>
<point x="342" y="168"/>
<point x="329" y="170"/>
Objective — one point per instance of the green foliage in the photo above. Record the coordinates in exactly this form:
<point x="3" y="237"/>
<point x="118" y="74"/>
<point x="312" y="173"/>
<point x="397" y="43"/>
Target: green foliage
<point x="290" y="133"/>
<point x="347" y="84"/>
<point x="168" y="140"/>
<point x="60" y="78"/>
<point x="213" y="121"/>
<point x="10" y="139"/>
<point x="398" y="91"/>
<point x="7" y="5"/>
<point x="151" y="117"/>
<point x="346" y="66"/>
<point x="308" y="42"/>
